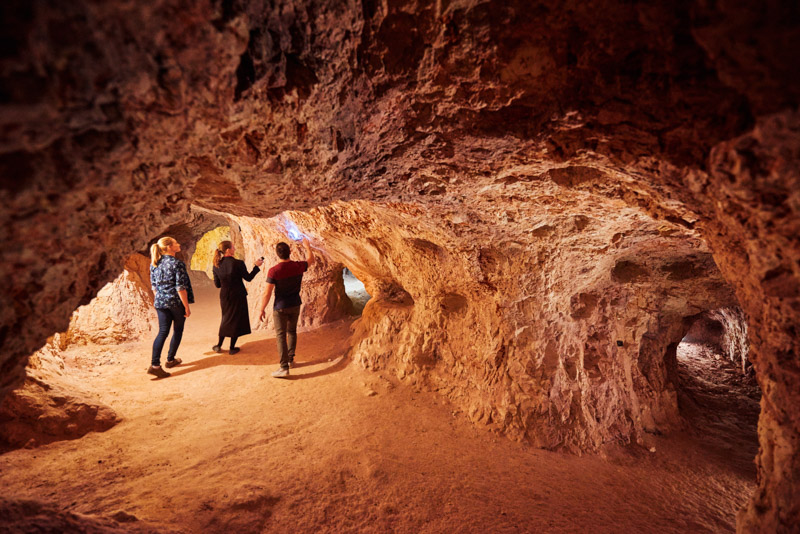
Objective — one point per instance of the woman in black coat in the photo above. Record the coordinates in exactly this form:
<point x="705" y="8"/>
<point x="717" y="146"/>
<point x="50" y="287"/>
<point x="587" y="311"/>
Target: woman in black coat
<point x="229" y="274"/>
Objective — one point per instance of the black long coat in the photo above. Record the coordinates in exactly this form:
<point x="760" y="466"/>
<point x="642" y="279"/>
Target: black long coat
<point x="229" y="277"/>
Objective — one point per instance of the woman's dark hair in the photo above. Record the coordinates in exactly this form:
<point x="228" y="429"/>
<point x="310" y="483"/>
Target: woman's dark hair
<point x="282" y="250"/>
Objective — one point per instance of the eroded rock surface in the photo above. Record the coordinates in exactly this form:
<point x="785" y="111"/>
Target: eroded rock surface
<point x="550" y="187"/>
<point x="49" y="405"/>
<point x="556" y="336"/>
<point x="20" y="516"/>
<point x="122" y="310"/>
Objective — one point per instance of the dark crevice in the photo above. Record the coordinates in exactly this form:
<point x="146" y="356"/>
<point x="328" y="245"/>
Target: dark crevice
<point x="227" y="11"/>
<point x="16" y="171"/>
<point x="245" y="76"/>
<point x="299" y="76"/>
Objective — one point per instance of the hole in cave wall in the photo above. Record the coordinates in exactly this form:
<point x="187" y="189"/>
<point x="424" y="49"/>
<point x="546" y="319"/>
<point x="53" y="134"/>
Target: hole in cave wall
<point x="355" y="290"/>
<point x="245" y="75"/>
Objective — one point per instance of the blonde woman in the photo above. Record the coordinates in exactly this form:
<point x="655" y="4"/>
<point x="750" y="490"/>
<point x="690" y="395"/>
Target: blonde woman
<point x="173" y="294"/>
<point x="229" y="276"/>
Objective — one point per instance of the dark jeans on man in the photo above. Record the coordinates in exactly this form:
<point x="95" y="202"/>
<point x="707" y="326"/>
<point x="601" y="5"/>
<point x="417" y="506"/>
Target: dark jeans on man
<point x="167" y="316"/>
<point x="286" y="327"/>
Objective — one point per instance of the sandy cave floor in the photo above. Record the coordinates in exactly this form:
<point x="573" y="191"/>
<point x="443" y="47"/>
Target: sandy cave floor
<point x="222" y="447"/>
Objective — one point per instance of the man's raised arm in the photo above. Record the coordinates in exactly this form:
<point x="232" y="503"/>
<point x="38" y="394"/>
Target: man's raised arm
<point x="309" y="254"/>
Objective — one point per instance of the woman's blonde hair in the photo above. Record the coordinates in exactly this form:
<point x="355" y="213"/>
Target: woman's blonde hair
<point x="158" y="249"/>
<point x="220" y="252"/>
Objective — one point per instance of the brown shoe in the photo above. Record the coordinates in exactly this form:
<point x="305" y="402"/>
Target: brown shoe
<point x="173" y="363"/>
<point x="158" y="372"/>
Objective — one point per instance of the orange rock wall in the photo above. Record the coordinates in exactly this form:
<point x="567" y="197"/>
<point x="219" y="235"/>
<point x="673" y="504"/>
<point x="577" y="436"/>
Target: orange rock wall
<point x="121" y="311"/>
<point x="49" y="405"/>
<point x="527" y="338"/>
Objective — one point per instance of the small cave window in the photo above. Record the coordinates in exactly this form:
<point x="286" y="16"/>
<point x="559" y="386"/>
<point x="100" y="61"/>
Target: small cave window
<point x="355" y="290"/>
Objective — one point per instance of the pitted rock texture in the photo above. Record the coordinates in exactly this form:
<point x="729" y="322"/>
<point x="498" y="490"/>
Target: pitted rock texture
<point x="734" y="341"/>
<point x="545" y="166"/>
<point x="560" y="341"/>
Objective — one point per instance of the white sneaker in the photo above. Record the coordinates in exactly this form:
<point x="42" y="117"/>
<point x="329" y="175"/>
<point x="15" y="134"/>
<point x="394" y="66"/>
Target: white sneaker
<point x="280" y="373"/>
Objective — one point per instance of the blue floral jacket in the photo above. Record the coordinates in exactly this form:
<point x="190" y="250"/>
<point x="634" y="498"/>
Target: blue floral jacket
<point x="166" y="279"/>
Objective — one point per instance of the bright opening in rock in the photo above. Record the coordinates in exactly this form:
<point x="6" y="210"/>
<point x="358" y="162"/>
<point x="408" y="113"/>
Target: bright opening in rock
<point x="355" y="290"/>
<point x="203" y="257"/>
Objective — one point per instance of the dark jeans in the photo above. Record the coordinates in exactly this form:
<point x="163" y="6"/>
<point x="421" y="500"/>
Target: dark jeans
<point x="167" y="316"/>
<point x="286" y="327"/>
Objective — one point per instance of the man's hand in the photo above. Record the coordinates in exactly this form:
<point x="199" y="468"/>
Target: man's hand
<point x="259" y="262"/>
<point x="309" y="253"/>
<point x="264" y="300"/>
<point x="188" y="312"/>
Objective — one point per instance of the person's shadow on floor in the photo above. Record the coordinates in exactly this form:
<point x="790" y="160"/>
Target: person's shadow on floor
<point x="253" y="353"/>
<point x="262" y="352"/>
<point x="336" y="363"/>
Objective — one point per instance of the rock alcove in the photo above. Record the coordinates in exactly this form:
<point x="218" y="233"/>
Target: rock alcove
<point x="540" y="201"/>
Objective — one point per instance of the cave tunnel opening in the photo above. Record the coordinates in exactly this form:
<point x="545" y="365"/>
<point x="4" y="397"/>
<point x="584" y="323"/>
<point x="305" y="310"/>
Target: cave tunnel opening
<point x="335" y="286"/>
<point x="525" y="149"/>
<point x="356" y="291"/>
<point x="202" y="260"/>
<point x="717" y="392"/>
